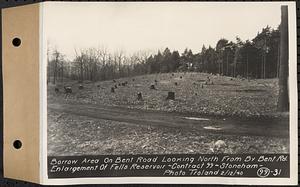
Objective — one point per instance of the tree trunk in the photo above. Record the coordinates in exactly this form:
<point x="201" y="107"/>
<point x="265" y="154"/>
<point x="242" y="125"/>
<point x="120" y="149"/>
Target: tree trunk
<point x="283" y="100"/>
<point x="278" y="61"/>
<point x="48" y="66"/>
<point x="262" y="67"/>
<point x="227" y="72"/>
<point x="265" y="59"/>
<point x="81" y="71"/>
<point x="247" y="66"/>
<point x="222" y="63"/>
<point x="55" y="71"/>
<point x="62" y="72"/>
<point x="219" y="67"/>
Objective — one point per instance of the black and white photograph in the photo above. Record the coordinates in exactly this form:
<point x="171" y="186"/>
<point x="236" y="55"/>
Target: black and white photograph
<point x="167" y="78"/>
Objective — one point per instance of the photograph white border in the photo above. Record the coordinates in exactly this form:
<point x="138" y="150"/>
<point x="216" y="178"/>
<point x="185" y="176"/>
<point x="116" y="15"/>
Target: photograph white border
<point x="293" y="180"/>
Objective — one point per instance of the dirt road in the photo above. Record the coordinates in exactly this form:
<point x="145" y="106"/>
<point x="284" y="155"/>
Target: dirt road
<point x="268" y="128"/>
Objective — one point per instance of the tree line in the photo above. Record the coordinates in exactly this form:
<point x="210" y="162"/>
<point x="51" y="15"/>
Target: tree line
<point x="256" y="58"/>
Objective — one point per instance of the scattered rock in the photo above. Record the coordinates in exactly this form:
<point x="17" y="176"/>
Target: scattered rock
<point x="139" y="96"/>
<point x="56" y="90"/>
<point x="152" y="87"/>
<point x="219" y="146"/>
<point x="112" y="90"/>
<point x="171" y="96"/>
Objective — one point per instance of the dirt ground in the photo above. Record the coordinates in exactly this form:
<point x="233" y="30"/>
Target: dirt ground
<point x="221" y="97"/>
<point x="78" y="135"/>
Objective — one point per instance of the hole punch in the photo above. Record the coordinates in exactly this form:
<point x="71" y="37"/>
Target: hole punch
<point x="17" y="144"/>
<point x="16" y="42"/>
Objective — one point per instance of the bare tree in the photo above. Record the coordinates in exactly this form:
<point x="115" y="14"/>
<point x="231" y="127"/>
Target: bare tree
<point x="102" y="55"/>
<point x="119" y="58"/>
<point x="79" y="62"/>
<point x="56" y="58"/>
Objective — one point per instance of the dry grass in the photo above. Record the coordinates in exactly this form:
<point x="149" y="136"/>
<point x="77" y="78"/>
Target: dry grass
<point x="78" y="135"/>
<point x="224" y="96"/>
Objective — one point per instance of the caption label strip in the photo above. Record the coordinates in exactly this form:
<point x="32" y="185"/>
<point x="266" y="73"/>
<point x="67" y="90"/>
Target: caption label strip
<point x="254" y="165"/>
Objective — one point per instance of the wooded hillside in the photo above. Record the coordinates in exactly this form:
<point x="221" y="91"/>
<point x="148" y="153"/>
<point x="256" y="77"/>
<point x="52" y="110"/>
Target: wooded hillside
<point x="256" y="58"/>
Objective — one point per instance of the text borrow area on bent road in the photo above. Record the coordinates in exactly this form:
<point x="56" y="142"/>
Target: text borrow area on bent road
<point x="208" y="165"/>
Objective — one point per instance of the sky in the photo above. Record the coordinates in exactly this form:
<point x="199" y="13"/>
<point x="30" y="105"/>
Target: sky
<point x="133" y="27"/>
